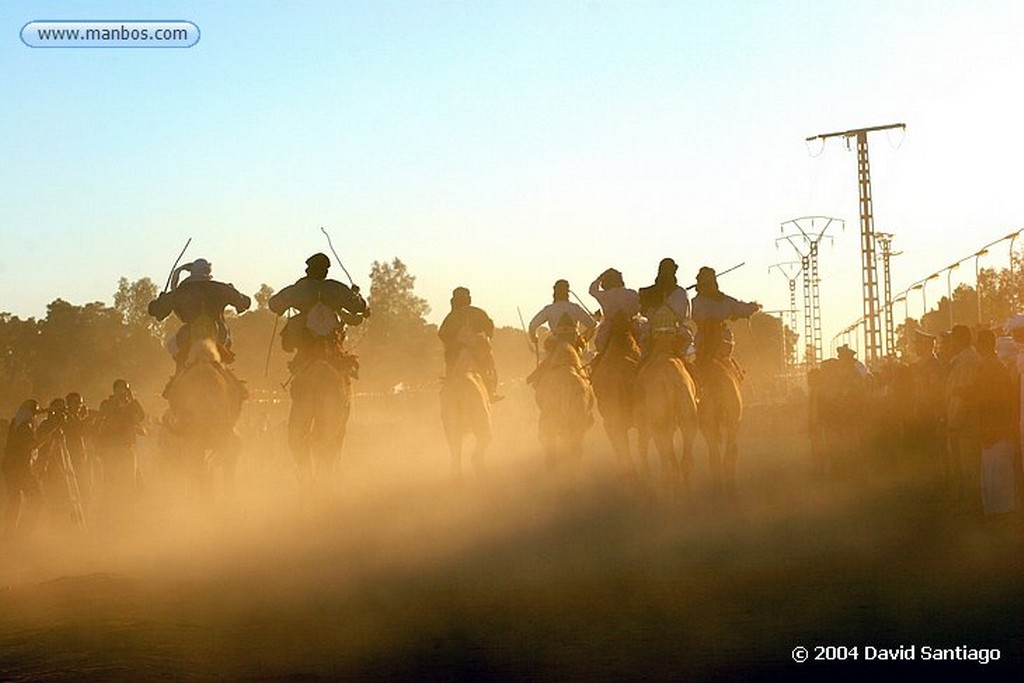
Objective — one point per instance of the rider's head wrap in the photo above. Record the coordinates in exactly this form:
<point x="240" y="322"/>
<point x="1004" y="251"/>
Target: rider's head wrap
<point x="561" y="290"/>
<point x="611" y="278"/>
<point x="200" y="269"/>
<point x="317" y="266"/>
<point x="707" y="281"/>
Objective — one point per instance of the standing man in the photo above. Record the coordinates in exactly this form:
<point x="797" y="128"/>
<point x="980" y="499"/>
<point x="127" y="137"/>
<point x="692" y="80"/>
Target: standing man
<point x="468" y="328"/>
<point x="120" y="422"/>
<point x="963" y="460"/>
<point x="997" y="426"/>
<point x="928" y="408"/>
<point x="22" y="486"/>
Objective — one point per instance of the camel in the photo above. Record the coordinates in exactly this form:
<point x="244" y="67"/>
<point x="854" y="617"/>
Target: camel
<point x="321" y="405"/>
<point x="566" y="404"/>
<point x="613" y="379"/>
<point x="205" y="407"/>
<point x="465" y="409"/>
<point x="721" y="408"/>
<point x="666" y="401"/>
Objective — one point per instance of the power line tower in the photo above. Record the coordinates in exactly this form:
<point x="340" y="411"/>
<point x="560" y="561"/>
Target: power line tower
<point x="884" y="240"/>
<point x="811" y="239"/>
<point x="869" y="270"/>
<point x="791" y="313"/>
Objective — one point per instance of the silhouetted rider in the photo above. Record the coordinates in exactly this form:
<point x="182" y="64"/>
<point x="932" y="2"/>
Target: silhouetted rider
<point x="711" y="310"/>
<point x="468" y="328"/>
<point x="325" y="307"/>
<point x="199" y="301"/>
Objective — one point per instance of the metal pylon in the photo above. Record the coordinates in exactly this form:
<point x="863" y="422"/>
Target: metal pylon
<point x="884" y="240"/>
<point x="869" y="268"/>
<point x="791" y="312"/>
<point x="811" y="280"/>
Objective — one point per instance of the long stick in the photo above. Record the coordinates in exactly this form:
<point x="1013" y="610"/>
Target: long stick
<point x="266" y="368"/>
<point x="175" y="266"/>
<point x="336" y="258"/>
<point x="531" y="342"/>
<point x="582" y="305"/>
<point x="728" y="270"/>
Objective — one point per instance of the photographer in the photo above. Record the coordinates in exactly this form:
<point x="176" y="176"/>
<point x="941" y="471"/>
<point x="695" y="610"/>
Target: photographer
<point x="80" y="426"/>
<point x="56" y="418"/>
<point x="120" y="421"/>
<point x="23" y="438"/>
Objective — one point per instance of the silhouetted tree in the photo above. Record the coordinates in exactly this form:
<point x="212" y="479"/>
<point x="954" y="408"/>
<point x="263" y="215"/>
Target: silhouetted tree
<point x="131" y="301"/>
<point x="397" y="311"/>
<point x="262" y="297"/>
<point x="17" y="356"/>
<point x="395" y="344"/>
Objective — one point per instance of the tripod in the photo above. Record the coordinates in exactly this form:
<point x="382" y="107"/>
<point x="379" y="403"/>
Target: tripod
<point x="67" y="467"/>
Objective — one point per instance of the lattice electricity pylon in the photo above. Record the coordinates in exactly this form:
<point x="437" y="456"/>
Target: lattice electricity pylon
<point x="869" y="269"/>
<point x="811" y="279"/>
<point x="884" y="240"/>
<point x="791" y="313"/>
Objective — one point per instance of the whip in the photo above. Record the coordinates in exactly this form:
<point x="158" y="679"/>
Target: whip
<point x="336" y="258"/>
<point x="175" y="266"/>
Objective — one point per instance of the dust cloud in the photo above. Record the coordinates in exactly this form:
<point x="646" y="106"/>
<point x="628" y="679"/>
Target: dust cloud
<point x="401" y="573"/>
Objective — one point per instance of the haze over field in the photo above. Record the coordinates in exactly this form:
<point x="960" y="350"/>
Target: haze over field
<point x="523" y="574"/>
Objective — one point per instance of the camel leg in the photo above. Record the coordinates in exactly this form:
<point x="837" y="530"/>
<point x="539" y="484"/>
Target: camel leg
<point x="549" y="442"/>
<point x="325" y="460"/>
<point x="643" y="443"/>
<point x="618" y="435"/>
<point x="711" y="436"/>
<point x="483" y="440"/>
<point x="574" y="450"/>
<point x="731" y="456"/>
<point x="455" y="448"/>
<point x="669" y="464"/>
<point x="551" y="454"/>
<point x="229" y="460"/>
<point x="686" y="464"/>
<point x="300" y="424"/>
<point x="198" y="465"/>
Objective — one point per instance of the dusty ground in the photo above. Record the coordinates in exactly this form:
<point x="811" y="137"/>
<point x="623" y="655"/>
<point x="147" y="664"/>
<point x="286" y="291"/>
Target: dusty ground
<point x="521" y="575"/>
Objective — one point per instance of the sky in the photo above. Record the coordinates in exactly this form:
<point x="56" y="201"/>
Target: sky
<point x="504" y="145"/>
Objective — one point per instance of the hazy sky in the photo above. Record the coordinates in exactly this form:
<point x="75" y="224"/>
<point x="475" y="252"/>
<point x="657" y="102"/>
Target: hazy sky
<point x="503" y="145"/>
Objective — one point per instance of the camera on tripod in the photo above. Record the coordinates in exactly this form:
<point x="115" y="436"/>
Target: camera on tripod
<point x="57" y="413"/>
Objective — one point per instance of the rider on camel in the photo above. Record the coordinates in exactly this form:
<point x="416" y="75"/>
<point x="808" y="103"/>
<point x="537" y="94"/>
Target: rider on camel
<point x="325" y="307"/>
<point x="666" y="306"/>
<point x="469" y="328"/>
<point x="616" y="301"/>
<point x="711" y="310"/>
<point x="564" y="320"/>
<point x="199" y="302"/>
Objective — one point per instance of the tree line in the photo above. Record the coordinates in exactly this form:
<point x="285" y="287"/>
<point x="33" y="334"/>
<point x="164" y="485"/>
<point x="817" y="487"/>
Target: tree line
<point x="1000" y="298"/>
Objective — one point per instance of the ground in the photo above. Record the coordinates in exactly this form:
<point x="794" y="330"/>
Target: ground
<point x="402" y="575"/>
